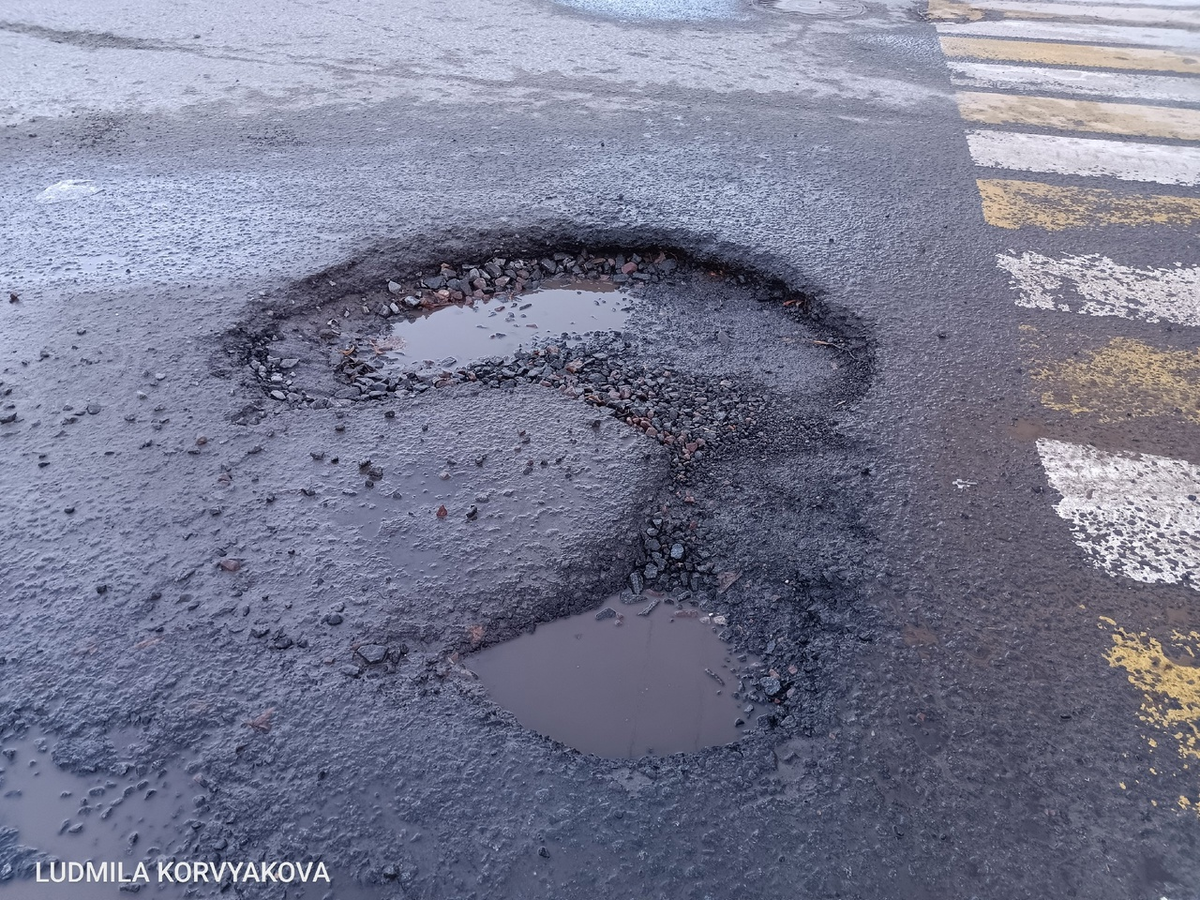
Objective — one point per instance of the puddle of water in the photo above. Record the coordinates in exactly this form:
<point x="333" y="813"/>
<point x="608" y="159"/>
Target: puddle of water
<point x="661" y="10"/>
<point x="65" y="191"/>
<point x="623" y="686"/>
<point x="459" y="335"/>
<point x="842" y="9"/>
<point x="102" y="817"/>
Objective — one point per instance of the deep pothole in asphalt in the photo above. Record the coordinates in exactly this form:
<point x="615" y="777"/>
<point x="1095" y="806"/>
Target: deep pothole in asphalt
<point x="719" y="372"/>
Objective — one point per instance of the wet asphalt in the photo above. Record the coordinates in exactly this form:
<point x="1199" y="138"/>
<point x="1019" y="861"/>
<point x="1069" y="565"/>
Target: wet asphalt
<point x="955" y="731"/>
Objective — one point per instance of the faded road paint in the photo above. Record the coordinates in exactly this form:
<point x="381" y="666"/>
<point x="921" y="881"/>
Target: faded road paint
<point x="1060" y="155"/>
<point x="1080" y="115"/>
<point x="1134" y="515"/>
<point x="947" y="11"/>
<point x="1058" y="54"/>
<point x="1097" y="286"/>
<point x="1125" y="380"/>
<point x="1169" y="679"/>
<point x="1041" y="29"/>
<point x="1080" y="82"/>
<point x="1017" y="204"/>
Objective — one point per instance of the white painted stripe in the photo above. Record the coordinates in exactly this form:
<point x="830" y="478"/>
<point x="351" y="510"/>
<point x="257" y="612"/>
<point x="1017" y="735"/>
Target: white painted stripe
<point x="1036" y="29"/>
<point x="1141" y="15"/>
<point x="1077" y="82"/>
<point x="1186" y="4"/>
<point x="1135" y="515"/>
<point x="1096" y="286"/>
<point x="1127" y="160"/>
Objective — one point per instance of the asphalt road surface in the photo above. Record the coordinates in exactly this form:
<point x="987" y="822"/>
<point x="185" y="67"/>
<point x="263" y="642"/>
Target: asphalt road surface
<point x="906" y="410"/>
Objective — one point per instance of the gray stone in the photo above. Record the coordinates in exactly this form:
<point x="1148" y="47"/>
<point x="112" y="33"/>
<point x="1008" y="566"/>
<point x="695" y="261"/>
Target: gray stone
<point x="373" y="653"/>
<point x="607" y="613"/>
<point x="677" y="551"/>
<point x="770" y="685"/>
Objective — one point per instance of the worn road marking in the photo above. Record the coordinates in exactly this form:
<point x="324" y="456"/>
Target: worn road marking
<point x="1097" y="286"/>
<point x="1134" y="515"/>
<point x="1039" y="29"/>
<point x="1017" y="204"/>
<point x="1080" y="115"/>
<point x="1178" y="17"/>
<point x="1081" y="82"/>
<point x="1056" y="54"/>
<point x="1126" y="160"/>
<point x="1168" y="675"/>
<point x="1125" y="380"/>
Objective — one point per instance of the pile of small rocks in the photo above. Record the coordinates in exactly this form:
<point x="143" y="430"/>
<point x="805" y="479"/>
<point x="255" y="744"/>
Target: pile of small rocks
<point x="421" y="292"/>
<point x="499" y="275"/>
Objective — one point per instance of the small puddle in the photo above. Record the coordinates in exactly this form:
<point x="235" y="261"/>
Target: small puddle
<point x="659" y="10"/>
<point x="462" y="334"/>
<point x="622" y="686"/>
<point x="131" y="817"/>
<point x="839" y="9"/>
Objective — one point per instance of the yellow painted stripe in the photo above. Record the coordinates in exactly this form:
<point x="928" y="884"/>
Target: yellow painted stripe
<point x="1081" y="115"/>
<point x="1127" y="379"/>
<point x="1016" y="204"/>
<point x="1166" y="674"/>
<point x="1082" y="55"/>
<point x="953" y="11"/>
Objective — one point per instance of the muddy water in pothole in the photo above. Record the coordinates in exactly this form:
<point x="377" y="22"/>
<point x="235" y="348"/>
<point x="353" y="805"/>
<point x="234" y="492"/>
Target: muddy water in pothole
<point x="499" y="326"/>
<point x="622" y="686"/>
<point x="659" y="10"/>
<point x="133" y="817"/>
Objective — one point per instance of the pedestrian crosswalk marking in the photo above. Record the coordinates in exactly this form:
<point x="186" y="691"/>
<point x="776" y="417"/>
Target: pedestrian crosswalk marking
<point x="1134" y="515"/>
<point x="1177" y="17"/>
<point x="1124" y="380"/>
<point x="1018" y="204"/>
<point x="1060" y="54"/>
<point x="1077" y="82"/>
<point x="1096" y="285"/>
<point x="1126" y="160"/>
<point x="1165" y="673"/>
<point x="1043" y="82"/>
<point x="1080" y="115"/>
<point x="1087" y="33"/>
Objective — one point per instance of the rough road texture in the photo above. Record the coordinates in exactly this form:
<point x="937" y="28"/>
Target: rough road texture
<point x="977" y="740"/>
<point x="286" y="600"/>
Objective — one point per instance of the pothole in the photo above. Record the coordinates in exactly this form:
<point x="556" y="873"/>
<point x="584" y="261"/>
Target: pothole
<point x="637" y="677"/>
<point x="728" y="381"/>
